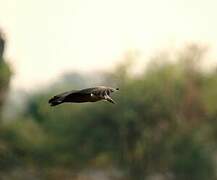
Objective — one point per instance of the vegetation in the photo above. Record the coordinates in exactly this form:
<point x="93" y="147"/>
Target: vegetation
<point x="164" y="126"/>
<point x="5" y="73"/>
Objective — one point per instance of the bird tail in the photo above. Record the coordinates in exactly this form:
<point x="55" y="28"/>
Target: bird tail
<point x="55" y="101"/>
<point x="58" y="99"/>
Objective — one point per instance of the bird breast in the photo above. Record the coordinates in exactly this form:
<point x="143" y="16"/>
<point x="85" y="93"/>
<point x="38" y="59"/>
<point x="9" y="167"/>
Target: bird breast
<point x="95" y="98"/>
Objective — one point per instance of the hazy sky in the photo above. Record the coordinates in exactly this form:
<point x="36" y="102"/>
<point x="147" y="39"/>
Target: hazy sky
<point x="48" y="37"/>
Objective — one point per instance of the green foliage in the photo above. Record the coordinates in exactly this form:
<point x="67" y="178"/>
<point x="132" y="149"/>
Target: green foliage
<point x="5" y="74"/>
<point x="164" y="123"/>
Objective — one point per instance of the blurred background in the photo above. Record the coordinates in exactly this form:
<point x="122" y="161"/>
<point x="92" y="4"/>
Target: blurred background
<point x="162" y="56"/>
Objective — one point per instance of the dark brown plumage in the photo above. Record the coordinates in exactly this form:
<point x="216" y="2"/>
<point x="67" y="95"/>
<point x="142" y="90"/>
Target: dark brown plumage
<point x="85" y="95"/>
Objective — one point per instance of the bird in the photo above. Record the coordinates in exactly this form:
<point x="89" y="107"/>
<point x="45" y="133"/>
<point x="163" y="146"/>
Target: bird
<point x="92" y="94"/>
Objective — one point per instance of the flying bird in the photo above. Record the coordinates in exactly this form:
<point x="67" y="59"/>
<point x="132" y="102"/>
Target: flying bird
<point x="84" y="95"/>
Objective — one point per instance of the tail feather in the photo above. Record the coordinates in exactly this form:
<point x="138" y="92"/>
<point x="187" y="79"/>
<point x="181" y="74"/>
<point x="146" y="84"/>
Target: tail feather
<point x="55" y="100"/>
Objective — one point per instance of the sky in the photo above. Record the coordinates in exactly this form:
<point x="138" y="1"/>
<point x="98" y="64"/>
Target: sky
<point x="49" y="37"/>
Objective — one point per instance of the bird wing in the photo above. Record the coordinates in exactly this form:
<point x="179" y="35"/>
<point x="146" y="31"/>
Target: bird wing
<point x="73" y="93"/>
<point x="97" y="91"/>
<point x="84" y="95"/>
<point x="78" y="96"/>
<point x="60" y="97"/>
<point x="87" y="91"/>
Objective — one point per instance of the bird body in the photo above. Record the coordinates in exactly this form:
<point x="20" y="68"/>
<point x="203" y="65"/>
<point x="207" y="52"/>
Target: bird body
<point x="85" y="95"/>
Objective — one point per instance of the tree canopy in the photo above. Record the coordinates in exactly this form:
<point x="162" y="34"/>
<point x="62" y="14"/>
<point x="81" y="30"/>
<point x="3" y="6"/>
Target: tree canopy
<point x="164" y="124"/>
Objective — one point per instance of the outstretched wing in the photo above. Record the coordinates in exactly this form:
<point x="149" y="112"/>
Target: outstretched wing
<point x="98" y="91"/>
<point x="69" y="96"/>
<point x="84" y="95"/>
<point x="77" y="96"/>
